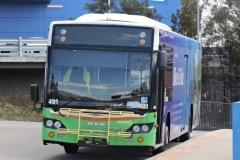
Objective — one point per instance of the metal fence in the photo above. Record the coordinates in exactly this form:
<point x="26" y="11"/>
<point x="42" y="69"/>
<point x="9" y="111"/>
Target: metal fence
<point x="216" y="110"/>
<point x="23" y="47"/>
<point x="215" y="115"/>
<point x="221" y="93"/>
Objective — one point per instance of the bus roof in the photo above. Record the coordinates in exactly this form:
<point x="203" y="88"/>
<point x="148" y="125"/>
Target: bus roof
<point x="117" y="17"/>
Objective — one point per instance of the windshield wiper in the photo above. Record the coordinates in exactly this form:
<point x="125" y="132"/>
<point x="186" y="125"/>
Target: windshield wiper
<point x="133" y="93"/>
<point x="57" y="108"/>
<point x="117" y="96"/>
<point x="125" y="107"/>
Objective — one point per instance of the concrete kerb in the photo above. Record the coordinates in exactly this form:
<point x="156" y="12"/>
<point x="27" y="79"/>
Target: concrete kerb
<point x="191" y="147"/>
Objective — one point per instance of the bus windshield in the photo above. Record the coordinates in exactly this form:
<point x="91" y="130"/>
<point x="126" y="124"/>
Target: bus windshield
<point x="98" y="76"/>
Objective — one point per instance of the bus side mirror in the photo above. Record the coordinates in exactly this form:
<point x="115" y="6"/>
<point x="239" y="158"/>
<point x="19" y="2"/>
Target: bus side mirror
<point x="162" y="59"/>
<point x="34" y="91"/>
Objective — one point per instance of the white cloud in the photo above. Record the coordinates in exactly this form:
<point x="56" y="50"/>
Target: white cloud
<point x="158" y="0"/>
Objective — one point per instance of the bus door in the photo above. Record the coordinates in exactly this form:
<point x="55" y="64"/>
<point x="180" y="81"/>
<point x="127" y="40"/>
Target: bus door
<point x="185" y="72"/>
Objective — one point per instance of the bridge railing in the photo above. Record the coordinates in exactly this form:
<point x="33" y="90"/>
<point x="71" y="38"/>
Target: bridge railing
<point x="23" y="47"/>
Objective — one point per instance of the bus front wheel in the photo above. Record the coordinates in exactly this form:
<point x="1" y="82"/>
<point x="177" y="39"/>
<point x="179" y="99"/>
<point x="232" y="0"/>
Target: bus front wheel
<point x="71" y="148"/>
<point x="166" y="139"/>
<point x="165" y="142"/>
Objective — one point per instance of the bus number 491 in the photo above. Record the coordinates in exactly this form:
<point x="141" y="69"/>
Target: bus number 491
<point x="53" y="101"/>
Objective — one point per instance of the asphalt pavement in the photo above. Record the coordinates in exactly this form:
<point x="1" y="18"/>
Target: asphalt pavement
<point x="215" y="145"/>
<point x="22" y="141"/>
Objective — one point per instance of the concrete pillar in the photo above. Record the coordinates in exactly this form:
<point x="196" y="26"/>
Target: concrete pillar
<point x="236" y="130"/>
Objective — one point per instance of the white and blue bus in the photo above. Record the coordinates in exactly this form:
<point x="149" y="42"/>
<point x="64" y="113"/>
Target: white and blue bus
<point x="119" y="80"/>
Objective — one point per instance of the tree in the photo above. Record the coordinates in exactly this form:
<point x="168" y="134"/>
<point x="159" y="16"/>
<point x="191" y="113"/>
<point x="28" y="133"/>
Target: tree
<point x="221" y="38"/>
<point x="133" y="7"/>
<point x="185" y="20"/>
<point x="99" y="6"/>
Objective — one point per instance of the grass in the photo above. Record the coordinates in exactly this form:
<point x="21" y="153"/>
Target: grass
<point x="18" y="109"/>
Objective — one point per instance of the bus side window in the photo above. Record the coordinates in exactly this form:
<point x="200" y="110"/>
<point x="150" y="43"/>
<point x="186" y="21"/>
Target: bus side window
<point x="168" y="84"/>
<point x="169" y="72"/>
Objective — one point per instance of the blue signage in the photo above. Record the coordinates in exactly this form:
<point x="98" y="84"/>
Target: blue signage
<point x="236" y="129"/>
<point x="37" y="15"/>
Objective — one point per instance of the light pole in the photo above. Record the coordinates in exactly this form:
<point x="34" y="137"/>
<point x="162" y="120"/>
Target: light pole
<point x="109" y="6"/>
<point x="198" y="19"/>
<point x="150" y="8"/>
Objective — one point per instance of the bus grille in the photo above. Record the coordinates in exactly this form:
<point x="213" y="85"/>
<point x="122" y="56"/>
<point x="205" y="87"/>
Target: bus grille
<point x="83" y="113"/>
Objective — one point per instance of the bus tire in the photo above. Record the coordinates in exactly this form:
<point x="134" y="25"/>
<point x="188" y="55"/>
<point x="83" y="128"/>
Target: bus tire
<point x="186" y="136"/>
<point x="70" y="148"/>
<point x="166" y="139"/>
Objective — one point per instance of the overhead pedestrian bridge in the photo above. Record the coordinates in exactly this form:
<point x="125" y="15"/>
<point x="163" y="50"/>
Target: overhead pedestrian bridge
<point x="23" y="53"/>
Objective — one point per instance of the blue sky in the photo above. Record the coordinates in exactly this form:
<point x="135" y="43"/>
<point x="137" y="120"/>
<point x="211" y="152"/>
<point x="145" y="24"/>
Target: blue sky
<point x="166" y="8"/>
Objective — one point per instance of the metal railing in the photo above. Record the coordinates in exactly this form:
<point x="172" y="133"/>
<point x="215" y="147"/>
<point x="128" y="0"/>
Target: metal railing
<point x="214" y="116"/>
<point x="216" y="109"/>
<point x="86" y="116"/>
<point x="23" y="47"/>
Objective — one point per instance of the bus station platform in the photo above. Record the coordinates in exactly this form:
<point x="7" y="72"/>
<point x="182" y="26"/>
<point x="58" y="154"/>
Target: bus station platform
<point x="215" y="145"/>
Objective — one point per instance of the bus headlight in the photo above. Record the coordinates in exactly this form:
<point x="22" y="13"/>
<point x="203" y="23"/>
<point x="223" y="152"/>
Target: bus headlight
<point x="136" y="128"/>
<point x="145" y="128"/>
<point x="57" y="124"/>
<point x="141" y="128"/>
<point x="49" y="123"/>
<point x="52" y="123"/>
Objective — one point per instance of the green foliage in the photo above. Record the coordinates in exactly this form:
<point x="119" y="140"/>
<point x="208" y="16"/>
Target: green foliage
<point x="221" y="36"/>
<point x="133" y="7"/>
<point x="175" y="19"/>
<point x="99" y="6"/>
<point x="185" y="20"/>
